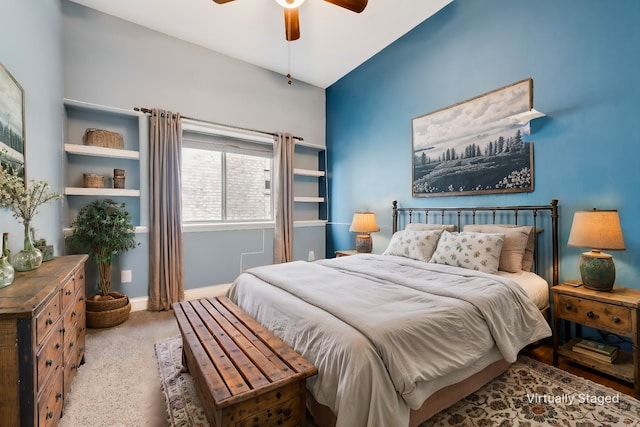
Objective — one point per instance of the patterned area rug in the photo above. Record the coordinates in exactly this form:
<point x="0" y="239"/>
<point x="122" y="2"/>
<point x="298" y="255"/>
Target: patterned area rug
<point x="530" y="393"/>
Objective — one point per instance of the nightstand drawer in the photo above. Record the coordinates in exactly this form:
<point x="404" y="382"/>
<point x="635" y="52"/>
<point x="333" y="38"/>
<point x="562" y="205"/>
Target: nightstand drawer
<point x="595" y="314"/>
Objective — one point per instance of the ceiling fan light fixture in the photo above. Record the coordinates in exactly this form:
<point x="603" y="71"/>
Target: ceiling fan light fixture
<point x="290" y="4"/>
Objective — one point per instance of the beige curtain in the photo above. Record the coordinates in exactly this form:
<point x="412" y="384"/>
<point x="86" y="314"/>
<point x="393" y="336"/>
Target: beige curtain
<point x="283" y="149"/>
<point x="166" y="270"/>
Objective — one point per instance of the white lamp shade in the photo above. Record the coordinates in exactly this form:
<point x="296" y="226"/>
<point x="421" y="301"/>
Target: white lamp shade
<point x="364" y="222"/>
<point x="596" y="229"/>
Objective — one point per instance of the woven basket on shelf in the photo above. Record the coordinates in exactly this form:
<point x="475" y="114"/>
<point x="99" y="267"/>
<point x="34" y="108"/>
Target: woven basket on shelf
<point x="103" y="138"/>
<point x="91" y="180"/>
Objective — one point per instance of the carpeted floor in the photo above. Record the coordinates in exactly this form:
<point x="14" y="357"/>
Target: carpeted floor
<point x="118" y="386"/>
<point x="530" y="393"/>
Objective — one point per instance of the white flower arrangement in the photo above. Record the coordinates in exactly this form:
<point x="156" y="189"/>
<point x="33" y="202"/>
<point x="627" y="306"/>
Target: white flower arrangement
<point x="22" y="200"/>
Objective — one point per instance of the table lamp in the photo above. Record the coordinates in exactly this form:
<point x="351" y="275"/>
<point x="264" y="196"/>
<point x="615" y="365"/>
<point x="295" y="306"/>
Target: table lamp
<point x="364" y="223"/>
<point x="597" y="229"/>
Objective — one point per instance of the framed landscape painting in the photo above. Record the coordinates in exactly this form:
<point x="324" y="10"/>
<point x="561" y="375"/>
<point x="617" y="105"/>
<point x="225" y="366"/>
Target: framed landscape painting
<point x="11" y="119"/>
<point x="475" y="147"/>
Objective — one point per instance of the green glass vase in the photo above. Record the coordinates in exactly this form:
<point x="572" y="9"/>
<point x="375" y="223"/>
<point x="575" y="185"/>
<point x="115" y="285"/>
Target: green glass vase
<point x="7" y="272"/>
<point x="30" y="257"/>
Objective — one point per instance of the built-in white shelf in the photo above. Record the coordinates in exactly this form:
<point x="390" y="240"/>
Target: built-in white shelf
<point x="308" y="199"/>
<point x="310" y="145"/>
<point x="308" y="172"/>
<point x="104" y="192"/>
<point x="310" y="223"/>
<point x="90" y="150"/>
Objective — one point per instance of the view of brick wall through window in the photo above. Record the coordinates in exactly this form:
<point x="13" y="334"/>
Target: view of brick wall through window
<point x="248" y="192"/>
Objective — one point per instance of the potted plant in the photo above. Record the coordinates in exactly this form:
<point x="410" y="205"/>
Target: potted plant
<point x="103" y="229"/>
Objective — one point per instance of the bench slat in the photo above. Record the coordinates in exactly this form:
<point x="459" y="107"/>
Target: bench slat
<point x="267" y="361"/>
<point x="227" y="370"/>
<point x="213" y="380"/>
<point x="289" y="355"/>
<point x="235" y="352"/>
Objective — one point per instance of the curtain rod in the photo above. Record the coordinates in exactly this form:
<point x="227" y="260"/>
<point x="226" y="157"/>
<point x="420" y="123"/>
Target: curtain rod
<point x="148" y="111"/>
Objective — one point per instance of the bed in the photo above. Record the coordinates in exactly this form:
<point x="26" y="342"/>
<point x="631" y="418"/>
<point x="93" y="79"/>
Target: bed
<point x="397" y="337"/>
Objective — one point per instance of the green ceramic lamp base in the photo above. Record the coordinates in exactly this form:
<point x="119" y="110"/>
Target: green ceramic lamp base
<point x="598" y="271"/>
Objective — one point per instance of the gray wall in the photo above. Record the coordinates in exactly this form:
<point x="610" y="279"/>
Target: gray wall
<point x="112" y="62"/>
<point x="31" y="51"/>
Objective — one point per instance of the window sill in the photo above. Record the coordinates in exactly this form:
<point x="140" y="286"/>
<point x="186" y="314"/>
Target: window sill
<point x="227" y="226"/>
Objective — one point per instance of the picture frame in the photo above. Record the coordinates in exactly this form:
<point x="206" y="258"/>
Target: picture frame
<point x="476" y="146"/>
<point x="12" y="120"/>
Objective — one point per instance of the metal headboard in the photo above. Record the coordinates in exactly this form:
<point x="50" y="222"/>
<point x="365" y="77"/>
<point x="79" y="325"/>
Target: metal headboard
<point x="445" y="215"/>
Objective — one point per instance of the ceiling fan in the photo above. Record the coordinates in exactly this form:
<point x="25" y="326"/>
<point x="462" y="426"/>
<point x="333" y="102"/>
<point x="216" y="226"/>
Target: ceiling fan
<point x="291" y="22"/>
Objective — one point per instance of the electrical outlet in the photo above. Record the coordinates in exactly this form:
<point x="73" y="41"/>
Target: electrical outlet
<point x="125" y="276"/>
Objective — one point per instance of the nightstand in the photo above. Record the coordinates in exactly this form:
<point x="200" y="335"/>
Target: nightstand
<point x="345" y="253"/>
<point x="616" y="312"/>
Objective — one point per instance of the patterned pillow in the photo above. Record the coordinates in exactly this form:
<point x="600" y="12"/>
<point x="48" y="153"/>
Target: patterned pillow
<point x="475" y="251"/>
<point x="516" y="241"/>
<point x="413" y="244"/>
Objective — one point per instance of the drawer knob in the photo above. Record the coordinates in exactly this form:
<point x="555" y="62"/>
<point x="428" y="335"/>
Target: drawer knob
<point x="48" y="362"/>
<point x="73" y="313"/>
<point x="68" y="292"/>
<point x="57" y="345"/>
<point x="58" y="396"/>
<point x="82" y="276"/>
<point x="49" y="415"/>
<point x="568" y="306"/>
<point x="616" y="319"/>
<point x="48" y="321"/>
<point x="590" y="314"/>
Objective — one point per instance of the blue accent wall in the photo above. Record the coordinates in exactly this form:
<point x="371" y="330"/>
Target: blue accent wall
<point x="584" y="60"/>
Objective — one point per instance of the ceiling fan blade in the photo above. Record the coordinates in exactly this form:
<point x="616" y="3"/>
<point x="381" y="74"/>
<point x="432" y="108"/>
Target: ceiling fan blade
<point x="222" y="1"/>
<point x="291" y="24"/>
<point x="353" y="5"/>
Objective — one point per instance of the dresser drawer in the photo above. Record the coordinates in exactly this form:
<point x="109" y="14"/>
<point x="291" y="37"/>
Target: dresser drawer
<point x="595" y="314"/>
<point x="49" y="357"/>
<point x="68" y="293"/>
<point x="47" y="317"/>
<point x="50" y="400"/>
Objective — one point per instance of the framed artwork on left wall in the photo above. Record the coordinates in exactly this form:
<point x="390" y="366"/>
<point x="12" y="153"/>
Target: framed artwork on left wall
<point x="12" y="136"/>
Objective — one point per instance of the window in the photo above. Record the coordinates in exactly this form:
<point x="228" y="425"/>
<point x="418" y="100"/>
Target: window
<point x="225" y="179"/>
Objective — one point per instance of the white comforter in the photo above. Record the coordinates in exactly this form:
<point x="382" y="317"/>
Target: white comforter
<point x="384" y="331"/>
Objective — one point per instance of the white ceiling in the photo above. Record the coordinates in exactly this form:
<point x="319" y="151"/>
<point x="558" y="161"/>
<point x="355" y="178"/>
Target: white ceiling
<point x="333" y="41"/>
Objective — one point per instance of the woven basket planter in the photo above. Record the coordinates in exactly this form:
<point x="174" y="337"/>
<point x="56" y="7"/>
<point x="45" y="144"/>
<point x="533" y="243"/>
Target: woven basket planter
<point x="108" y="313"/>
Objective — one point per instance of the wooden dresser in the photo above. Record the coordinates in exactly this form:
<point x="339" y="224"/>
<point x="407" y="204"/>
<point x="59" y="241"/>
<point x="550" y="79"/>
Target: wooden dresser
<point x="42" y="335"/>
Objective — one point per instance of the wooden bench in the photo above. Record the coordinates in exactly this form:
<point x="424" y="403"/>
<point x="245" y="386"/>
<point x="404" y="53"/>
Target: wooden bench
<point x="245" y="376"/>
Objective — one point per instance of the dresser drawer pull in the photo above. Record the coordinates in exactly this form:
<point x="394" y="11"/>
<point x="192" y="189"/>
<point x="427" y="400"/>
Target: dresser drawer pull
<point x="48" y="362"/>
<point x="68" y="292"/>
<point x="82" y="276"/>
<point x="616" y="319"/>
<point x="568" y="306"/>
<point x="73" y="313"/>
<point x="590" y="314"/>
<point x="49" y="415"/>
<point x="58" y="396"/>
<point x="48" y="321"/>
<point x="57" y="345"/>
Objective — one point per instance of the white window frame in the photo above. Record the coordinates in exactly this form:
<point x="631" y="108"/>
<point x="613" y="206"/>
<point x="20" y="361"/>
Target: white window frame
<point x="204" y="128"/>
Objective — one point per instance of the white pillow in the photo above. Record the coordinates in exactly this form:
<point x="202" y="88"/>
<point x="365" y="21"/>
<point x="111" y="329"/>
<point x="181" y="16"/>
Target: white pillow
<point x="420" y="226"/>
<point x="413" y="244"/>
<point x="516" y="240"/>
<point x="475" y="251"/>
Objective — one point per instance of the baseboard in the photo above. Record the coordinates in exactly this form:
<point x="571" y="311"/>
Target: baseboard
<point x="140" y="303"/>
